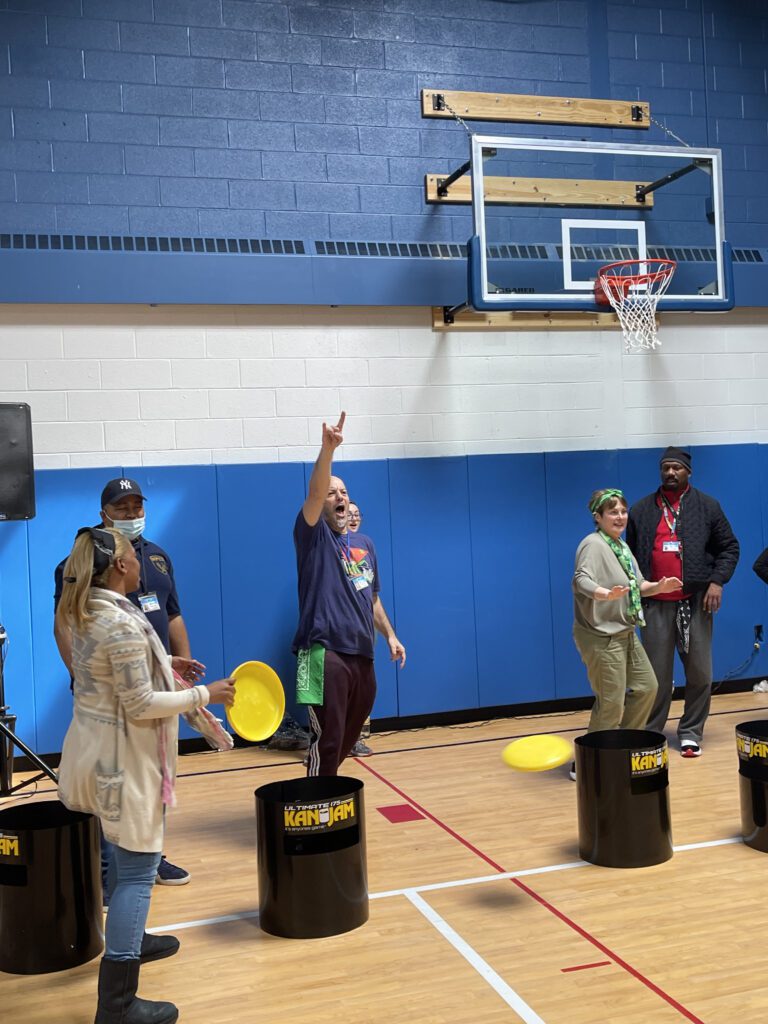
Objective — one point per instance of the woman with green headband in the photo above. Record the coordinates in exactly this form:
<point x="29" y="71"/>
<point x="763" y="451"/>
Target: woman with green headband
<point x="607" y="587"/>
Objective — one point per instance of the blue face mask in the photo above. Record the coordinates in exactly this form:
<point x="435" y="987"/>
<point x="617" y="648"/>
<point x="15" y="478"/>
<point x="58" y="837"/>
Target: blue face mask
<point x="130" y="528"/>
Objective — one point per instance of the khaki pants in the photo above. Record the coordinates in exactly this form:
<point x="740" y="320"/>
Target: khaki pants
<point x="621" y="678"/>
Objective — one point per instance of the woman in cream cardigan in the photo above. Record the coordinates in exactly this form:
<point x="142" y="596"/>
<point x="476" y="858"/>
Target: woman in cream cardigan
<point x="119" y="756"/>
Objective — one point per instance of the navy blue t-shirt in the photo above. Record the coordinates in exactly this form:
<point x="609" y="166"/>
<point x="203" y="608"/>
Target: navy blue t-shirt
<point x="156" y="577"/>
<point x="338" y="578"/>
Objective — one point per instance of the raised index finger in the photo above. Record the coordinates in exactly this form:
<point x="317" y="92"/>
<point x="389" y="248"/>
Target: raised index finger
<point x="340" y="424"/>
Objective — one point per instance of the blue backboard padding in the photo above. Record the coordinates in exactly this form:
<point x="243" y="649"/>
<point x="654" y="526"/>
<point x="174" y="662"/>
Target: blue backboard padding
<point x="182" y="517"/>
<point x="434" y="589"/>
<point x="475" y="556"/>
<point x="66" y="500"/>
<point x="571" y="478"/>
<point x="368" y="486"/>
<point x="510" y="566"/>
<point x="257" y="510"/>
<point x="16" y="617"/>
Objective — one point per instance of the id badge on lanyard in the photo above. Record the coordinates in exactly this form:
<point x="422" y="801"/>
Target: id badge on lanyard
<point x="149" y="602"/>
<point x="358" y="580"/>
<point x="673" y="544"/>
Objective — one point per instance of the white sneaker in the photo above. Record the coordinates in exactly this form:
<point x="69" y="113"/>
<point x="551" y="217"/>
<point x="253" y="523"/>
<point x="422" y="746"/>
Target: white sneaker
<point x="690" y="748"/>
<point x="572" y="771"/>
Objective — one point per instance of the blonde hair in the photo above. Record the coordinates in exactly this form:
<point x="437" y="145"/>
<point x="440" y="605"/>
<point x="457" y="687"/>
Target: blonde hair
<point x="79" y="576"/>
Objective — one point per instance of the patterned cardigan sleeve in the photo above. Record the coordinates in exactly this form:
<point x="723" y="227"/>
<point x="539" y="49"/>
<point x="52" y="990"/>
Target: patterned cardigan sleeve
<point x="130" y="658"/>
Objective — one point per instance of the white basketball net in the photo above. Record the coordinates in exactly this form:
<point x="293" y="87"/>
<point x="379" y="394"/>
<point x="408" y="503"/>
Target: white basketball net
<point x="633" y="288"/>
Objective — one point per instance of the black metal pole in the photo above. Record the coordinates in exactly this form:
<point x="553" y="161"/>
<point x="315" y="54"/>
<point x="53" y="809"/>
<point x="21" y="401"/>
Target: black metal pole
<point x="6" y="754"/>
<point x="641" y="191"/>
<point x="443" y="184"/>
<point x="14" y="741"/>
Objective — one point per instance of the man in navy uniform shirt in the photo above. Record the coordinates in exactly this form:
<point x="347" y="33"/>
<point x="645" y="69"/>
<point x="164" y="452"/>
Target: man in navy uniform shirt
<point x="122" y="509"/>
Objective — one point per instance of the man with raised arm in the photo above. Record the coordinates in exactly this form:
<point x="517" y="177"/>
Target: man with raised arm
<point x="339" y="609"/>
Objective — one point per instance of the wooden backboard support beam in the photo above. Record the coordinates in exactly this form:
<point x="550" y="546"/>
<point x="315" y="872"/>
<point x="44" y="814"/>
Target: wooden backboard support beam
<point x="523" y="320"/>
<point x="576" y="110"/>
<point x="539" y="192"/>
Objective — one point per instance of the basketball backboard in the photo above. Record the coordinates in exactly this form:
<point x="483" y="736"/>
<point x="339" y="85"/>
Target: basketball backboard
<point x="547" y="214"/>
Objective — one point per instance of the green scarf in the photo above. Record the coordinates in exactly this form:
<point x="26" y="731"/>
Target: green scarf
<point x="622" y="552"/>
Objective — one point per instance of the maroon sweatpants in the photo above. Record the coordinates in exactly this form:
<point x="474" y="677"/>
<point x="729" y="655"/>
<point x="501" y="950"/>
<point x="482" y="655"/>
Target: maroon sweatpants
<point x="334" y="726"/>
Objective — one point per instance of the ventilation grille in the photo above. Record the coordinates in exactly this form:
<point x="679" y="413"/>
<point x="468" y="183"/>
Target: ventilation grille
<point x="405" y="250"/>
<point x="682" y="254"/>
<point x="747" y="256"/>
<point x="153" y="243"/>
<point x="427" y="250"/>
<point x="517" y="252"/>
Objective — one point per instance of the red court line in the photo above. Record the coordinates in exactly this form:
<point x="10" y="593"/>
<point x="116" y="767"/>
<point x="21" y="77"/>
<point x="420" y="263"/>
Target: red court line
<point x="540" y="899"/>
<point x="585" y="967"/>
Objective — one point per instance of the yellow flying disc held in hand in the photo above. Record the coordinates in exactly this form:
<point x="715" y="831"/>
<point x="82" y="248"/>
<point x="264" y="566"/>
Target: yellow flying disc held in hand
<point x="537" y="753"/>
<point x="259" y="701"/>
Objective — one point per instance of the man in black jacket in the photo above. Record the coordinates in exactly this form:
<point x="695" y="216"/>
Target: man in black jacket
<point x="679" y="531"/>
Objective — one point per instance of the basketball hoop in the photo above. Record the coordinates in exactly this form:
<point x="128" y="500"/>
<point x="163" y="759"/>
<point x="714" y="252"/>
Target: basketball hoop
<point x="633" y="288"/>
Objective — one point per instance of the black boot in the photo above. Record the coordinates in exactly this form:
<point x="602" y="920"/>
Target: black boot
<point x="118" y="1002"/>
<point x="157" y="947"/>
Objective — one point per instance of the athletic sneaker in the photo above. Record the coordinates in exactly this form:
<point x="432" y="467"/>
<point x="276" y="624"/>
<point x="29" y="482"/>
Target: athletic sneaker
<point x="690" y="748"/>
<point x="361" y="749"/>
<point x="169" y="874"/>
<point x="572" y="771"/>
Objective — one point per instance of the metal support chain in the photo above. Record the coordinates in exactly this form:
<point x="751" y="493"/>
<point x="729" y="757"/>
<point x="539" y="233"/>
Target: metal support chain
<point x="457" y="117"/>
<point x="670" y="133"/>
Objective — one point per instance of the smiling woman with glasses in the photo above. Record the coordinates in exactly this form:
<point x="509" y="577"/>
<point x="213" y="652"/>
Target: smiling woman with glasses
<point x="607" y="588"/>
<point x="355" y="518"/>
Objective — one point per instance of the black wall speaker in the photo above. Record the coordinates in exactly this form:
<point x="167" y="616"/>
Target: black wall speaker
<point x="17" y="475"/>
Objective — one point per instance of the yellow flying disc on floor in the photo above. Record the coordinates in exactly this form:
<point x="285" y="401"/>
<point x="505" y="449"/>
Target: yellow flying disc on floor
<point x="537" y="753"/>
<point x="259" y="701"/>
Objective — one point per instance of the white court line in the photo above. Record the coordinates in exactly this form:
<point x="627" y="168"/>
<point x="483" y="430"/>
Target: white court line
<point x="481" y="879"/>
<point x="473" y="958"/>
<point x="203" y="921"/>
<point x="456" y="883"/>
<point x="704" y="846"/>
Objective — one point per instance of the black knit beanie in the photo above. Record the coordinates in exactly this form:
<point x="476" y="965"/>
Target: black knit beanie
<point x="680" y="455"/>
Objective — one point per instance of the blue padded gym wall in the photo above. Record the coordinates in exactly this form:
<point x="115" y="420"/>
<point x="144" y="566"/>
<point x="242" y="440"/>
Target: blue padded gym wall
<point x="434" y="590"/>
<point x="475" y="554"/>
<point x="510" y="571"/>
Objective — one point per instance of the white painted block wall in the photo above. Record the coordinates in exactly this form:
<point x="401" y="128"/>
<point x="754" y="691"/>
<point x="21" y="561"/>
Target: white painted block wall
<point x="170" y="385"/>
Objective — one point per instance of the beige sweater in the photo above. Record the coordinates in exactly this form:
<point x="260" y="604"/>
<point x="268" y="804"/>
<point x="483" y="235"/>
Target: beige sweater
<point x="125" y="721"/>
<point x="597" y="566"/>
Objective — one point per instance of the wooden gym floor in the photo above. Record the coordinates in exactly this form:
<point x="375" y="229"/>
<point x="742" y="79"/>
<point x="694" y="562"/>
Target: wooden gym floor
<point x="481" y="910"/>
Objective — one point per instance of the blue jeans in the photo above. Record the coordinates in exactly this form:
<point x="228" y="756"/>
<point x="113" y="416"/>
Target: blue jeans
<point x="129" y="886"/>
